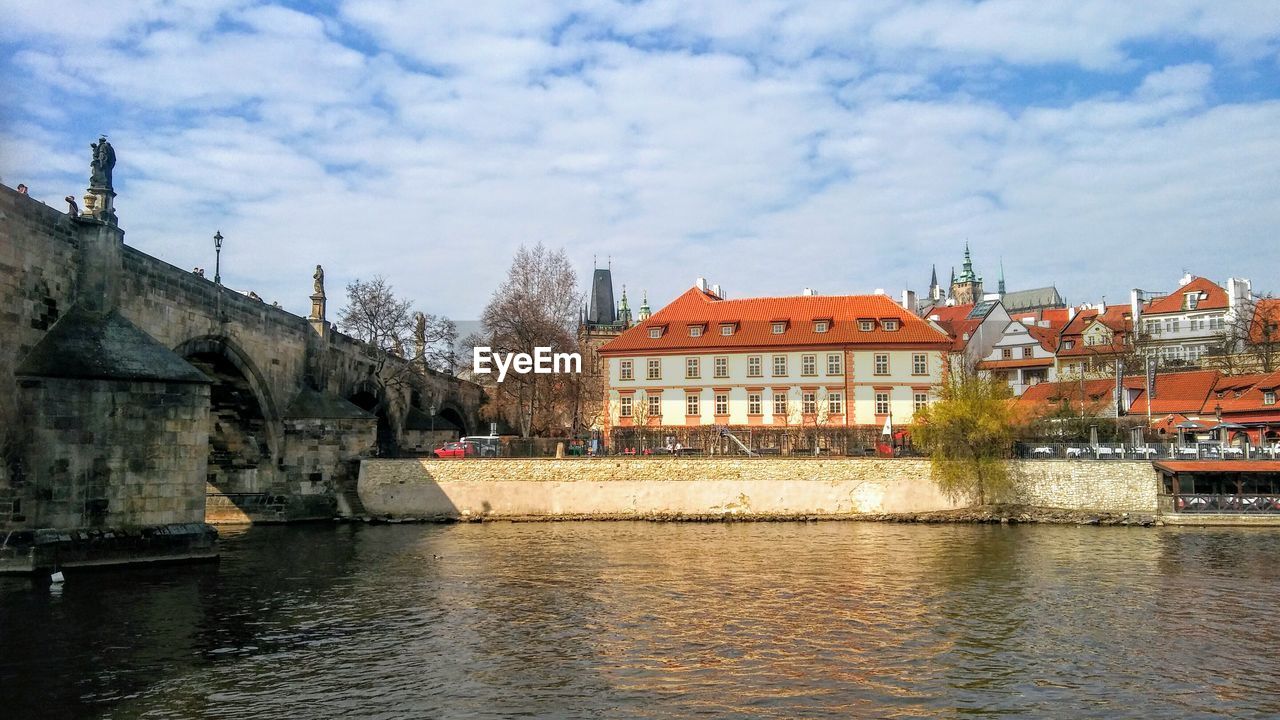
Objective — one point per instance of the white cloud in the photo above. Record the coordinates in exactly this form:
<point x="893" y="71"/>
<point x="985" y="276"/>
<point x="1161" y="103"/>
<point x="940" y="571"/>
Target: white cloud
<point x="770" y="146"/>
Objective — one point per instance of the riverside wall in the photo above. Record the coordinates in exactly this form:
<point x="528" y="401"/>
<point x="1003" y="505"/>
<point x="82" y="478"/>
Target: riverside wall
<point x="725" y="487"/>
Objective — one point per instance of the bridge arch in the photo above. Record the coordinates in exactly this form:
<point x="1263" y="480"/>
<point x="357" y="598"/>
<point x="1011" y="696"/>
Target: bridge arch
<point x="245" y="434"/>
<point x="454" y="413"/>
<point x="372" y="398"/>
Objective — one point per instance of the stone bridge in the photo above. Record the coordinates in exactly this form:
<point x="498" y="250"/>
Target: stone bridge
<point x="136" y="393"/>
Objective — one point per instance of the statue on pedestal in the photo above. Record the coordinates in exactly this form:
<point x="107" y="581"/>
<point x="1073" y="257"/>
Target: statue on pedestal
<point x="319" y="280"/>
<point x="103" y="162"/>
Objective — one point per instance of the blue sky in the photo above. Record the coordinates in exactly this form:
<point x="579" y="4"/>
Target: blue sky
<point x="767" y="146"/>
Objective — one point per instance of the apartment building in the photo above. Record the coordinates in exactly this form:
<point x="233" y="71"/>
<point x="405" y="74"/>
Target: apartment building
<point x="1183" y="326"/>
<point x="808" y="360"/>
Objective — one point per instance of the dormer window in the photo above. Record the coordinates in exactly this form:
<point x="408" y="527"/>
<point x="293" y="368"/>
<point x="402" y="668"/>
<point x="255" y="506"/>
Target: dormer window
<point x="1268" y="397"/>
<point x="1068" y="344"/>
<point x="695" y="331"/>
<point x="726" y="329"/>
<point x="1190" y="300"/>
<point x="779" y="327"/>
<point x="889" y="324"/>
<point x="821" y="326"/>
<point x="655" y="332"/>
<point x="866" y="325"/>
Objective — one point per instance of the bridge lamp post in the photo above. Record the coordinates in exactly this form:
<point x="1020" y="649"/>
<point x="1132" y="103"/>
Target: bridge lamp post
<point x="217" y="257"/>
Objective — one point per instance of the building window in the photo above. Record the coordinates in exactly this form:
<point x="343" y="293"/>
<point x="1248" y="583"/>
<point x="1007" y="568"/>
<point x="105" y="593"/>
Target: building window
<point x="726" y="330"/>
<point x="821" y="326"/>
<point x="1190" y="300"/>
<point x="722" y="367"/>
<point x="1172" y="325"/>
<point x="722" y="403"/>
<point x="835" y="363"/>
<point x="691" y="406"/>
<point x="1217" y="323"/>
<point x="654" y="369"/>
<point x="624" y="406"/>
<point x="692" y="368"/>
<point x="889" y="324"/>
<point x="919" y="364"/>
<point x="835" y="403"/>
<point x="1268" y="397"/>
<point x="695" y="331"/>
<point x="655" y="332"/>
<point x="655" y="407"/>
<point x="779" y="328"/>
<point x="779" y="404"/>
<point x="919" y="401"/>
<point x="1027" y="352"/>
<point x="1006" y="353"/>
<point x="779" y="365"/>
<point x="753" y="404"/>
<point x="808" y="403"/>
<point x="866" y="325"/>
<point x="882" y="403"/>
<point x="882" y="364"/>
<point x="808" y="364"/>
<point x="1068" y="344"/>
<point x="625" y="371"/>
<point x="754" y="368"/>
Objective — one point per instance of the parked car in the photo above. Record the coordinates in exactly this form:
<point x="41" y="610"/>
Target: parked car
<point x="456" y="450"/>
<point x="486" y="445"/>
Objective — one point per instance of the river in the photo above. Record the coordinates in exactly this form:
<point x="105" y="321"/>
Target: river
<point x="648" y="620"/>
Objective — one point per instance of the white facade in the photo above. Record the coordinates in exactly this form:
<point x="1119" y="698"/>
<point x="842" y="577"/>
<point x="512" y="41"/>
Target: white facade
<point x="1019" y="359"/>
<point x="820" y="386"/>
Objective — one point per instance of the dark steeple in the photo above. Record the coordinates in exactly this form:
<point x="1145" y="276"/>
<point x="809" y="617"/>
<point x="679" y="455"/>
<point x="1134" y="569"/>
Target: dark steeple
<point x="1000" y="285"/>
<point x="603" y="310"/>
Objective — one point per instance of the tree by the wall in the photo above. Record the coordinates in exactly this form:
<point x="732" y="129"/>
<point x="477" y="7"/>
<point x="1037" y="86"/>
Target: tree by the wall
<point x="969" y="433"/>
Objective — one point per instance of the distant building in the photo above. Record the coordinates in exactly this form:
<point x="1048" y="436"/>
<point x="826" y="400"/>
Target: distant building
<point x="1182" y="327"/>
<point x="967" y="289"/>
<point x="810" y="360"/>
<point x="601" y="320"/>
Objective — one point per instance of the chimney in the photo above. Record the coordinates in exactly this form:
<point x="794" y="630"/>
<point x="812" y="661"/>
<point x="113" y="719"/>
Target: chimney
<point x="1239" y="291"/>
<point x="909" y="300"/>
<point x="715" y="290"/>
<point x="1071" y="313"/>
<point x="879" y="291"/>
<point x="701" y="284"/>
<point x="1135" y="309"/>
<point x="808" y="292"/>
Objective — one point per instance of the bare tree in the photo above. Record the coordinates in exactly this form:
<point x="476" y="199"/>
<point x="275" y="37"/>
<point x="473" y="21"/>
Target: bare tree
<point x="375" y="316"/>
<point x="536" y="306"/>
<point x="1249" y="340"/>
<point x="435" y="340"/>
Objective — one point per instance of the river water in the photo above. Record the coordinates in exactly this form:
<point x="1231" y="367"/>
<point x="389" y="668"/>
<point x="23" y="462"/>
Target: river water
<point x="648" y="620"/>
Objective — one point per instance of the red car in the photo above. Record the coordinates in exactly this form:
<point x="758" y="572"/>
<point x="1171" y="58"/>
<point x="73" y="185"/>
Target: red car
<point x="456" y="450"/>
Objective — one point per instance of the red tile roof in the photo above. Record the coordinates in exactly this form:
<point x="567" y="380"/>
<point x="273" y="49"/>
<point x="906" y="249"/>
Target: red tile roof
<point x="755" y="317"/>
<point x="959" y="331"/>
<point x="1047" y="337"/>
<point x="1018" y="363"/>
<point x="1183" y="392"/>
<point x="1212" y="296"/>
<point x="1243" y="394"/>
<point x="1116" y="318"/>
<point x="949" y="313"/>
<point x="1265" y="328"/>
<point x="1231" y="466"/>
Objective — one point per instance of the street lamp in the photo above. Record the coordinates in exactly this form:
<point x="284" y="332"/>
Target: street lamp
<point x="217" y="260"/>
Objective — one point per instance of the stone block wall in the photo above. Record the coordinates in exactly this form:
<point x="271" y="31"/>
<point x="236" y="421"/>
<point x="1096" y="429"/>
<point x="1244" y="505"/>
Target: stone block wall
<point x="107" y="453"/>
<point x="745" y="487"/>
<point x="38" y="262"/>
<point x="1111" y="486"/>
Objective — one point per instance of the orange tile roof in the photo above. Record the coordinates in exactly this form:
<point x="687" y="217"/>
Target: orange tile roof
<point x="1047" y="337"/>
<point x="755" y="318"/>
<point x="1183" y="392"/>
<point x="1055" y="392"/>
<point x="1231" y="466"/>
<point x="1213" y="297"/>
<point x="1243" y="394"/>
<point x="1265" y="328"/>
<point x="949" y="313"/>
<point x="959" y="331"/>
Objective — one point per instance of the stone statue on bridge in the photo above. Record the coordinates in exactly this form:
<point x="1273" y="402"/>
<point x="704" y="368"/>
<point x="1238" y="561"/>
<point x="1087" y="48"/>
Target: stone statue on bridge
<point x="319" y="280"/>
<point x="103" y="162"/>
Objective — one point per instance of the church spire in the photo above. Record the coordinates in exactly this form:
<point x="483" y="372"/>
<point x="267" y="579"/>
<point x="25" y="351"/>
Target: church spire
<point x="1000" y="285"/>
<point x="645" y="313"/>
<point x="624" y="311"/>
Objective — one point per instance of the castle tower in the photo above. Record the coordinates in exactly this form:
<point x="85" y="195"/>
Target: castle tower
<point x="967" y="287"/>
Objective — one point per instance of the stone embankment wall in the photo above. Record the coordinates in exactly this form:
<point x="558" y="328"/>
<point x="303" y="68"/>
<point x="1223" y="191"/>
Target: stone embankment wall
<point x="733" y="487"/>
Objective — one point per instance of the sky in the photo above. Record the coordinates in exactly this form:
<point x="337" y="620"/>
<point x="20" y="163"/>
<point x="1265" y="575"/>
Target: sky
<point x="768" y="146"/>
